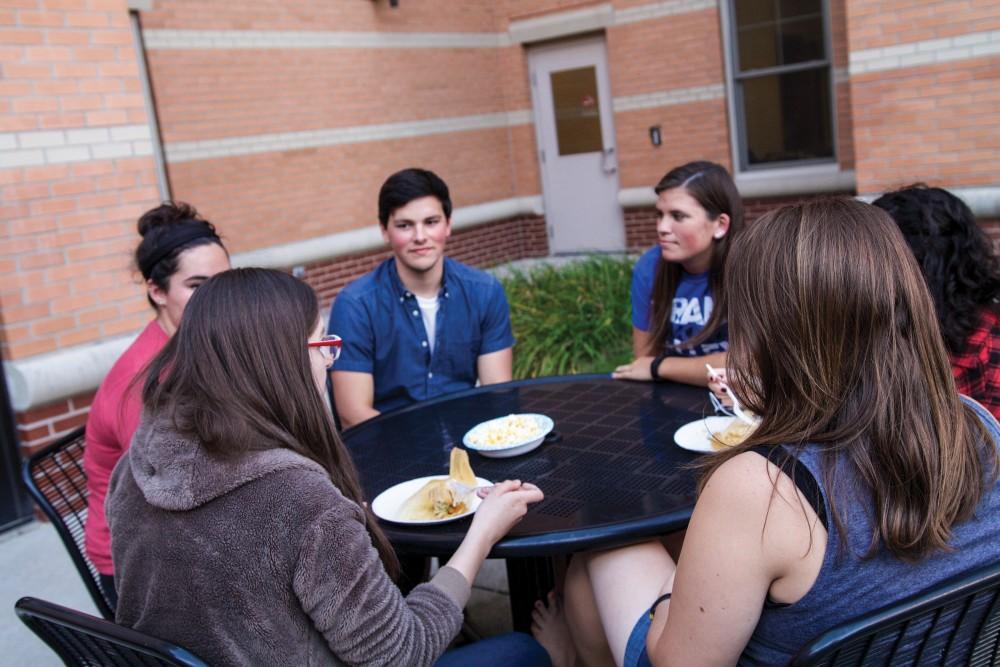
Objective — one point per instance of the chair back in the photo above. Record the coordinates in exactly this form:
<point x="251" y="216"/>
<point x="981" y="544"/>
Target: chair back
<point x="955" y="623"/>
<point x="84" y="640"/>
<point x="57" y="483"/>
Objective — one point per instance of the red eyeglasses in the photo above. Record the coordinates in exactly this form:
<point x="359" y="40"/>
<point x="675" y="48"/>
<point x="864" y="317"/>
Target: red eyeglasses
<point x="329" y="345"/>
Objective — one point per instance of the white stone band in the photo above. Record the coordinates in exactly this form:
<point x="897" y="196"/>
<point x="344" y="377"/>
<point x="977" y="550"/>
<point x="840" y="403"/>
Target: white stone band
<point x="41" y="147"/>
<point x="926" y="52"/>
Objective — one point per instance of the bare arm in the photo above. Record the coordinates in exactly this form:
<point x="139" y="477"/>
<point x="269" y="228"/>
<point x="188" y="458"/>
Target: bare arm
<point x="741" y="543"/>
<point x="689" y="370"/>
<point x="354" y="394"/>
<point x="495" y="367"/>
<point x="640" y="342"/>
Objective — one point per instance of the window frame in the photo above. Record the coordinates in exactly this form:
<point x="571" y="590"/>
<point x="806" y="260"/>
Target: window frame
<point x="734" y="93"/>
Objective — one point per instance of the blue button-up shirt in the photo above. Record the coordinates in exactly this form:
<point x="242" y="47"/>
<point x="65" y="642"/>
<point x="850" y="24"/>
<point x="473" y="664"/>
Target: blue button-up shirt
<point x="384" y="335"/>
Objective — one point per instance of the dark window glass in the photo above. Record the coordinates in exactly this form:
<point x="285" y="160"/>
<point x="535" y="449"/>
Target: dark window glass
<point x="577" y="110"/>
<point x="770" y="34"/>
<point x="787" y="117"/>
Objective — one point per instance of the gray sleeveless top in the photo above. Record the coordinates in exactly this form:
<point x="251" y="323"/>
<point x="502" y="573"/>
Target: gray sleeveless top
<point x="848" y="586"/>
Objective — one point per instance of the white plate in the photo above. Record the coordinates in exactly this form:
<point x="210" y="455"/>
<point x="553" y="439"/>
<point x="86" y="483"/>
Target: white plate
<point x="387" y="504"/>
<point x="696" y="435"/>
<point x="515" y="448"/>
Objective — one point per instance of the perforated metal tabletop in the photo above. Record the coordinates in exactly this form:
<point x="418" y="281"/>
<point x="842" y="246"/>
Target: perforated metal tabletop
<point x="610" y="471"/>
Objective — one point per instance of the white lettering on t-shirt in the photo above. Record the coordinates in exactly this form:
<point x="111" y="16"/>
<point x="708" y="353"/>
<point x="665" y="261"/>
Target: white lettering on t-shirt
<point x="690" y="311"/>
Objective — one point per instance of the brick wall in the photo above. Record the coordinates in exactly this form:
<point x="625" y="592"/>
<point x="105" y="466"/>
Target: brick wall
<point x="925" y="89"/>
<point x="75" y="172"/>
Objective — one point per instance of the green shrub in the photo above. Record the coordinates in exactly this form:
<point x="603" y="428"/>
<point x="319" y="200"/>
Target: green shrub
<point x="571" y="319"/>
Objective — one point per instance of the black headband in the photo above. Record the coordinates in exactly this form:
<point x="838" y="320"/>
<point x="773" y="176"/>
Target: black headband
<point x="176" y="237"/>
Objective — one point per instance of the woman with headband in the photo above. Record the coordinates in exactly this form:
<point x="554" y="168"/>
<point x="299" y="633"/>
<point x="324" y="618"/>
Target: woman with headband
<point x="178" y="252"/>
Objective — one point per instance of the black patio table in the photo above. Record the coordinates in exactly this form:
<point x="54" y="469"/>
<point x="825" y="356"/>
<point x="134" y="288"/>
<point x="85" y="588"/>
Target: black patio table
<point x="610" y="470"/>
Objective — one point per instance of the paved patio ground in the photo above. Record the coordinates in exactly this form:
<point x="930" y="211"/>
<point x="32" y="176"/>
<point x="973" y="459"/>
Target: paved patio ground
<point x="33" y="561"/>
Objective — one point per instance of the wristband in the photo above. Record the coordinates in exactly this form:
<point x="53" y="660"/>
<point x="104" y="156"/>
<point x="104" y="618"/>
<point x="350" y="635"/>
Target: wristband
<point x="654" y="368"/>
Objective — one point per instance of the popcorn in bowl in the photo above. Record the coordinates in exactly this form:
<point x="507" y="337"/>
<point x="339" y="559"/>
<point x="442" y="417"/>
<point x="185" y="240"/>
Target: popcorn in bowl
<point x="505" y="431"/>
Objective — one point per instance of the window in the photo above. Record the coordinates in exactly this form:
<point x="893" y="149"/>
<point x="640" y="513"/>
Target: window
<point x="782" y="88"/>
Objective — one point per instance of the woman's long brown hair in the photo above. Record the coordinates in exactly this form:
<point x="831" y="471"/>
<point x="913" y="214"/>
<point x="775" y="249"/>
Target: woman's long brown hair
<point x="237" y="377"/>
<point x="836" y="343"/>
<point x="710" y="185"/>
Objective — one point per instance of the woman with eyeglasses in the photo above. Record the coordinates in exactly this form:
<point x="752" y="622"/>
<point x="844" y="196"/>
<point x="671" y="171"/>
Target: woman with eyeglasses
<point x="678" y="298"/>
<point x="867" y="480"/>
<point x="179" y="251"/>
<point x="239" y="526"/>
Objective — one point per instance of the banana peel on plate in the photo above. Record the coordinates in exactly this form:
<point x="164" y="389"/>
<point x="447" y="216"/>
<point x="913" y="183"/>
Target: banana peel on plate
<point x="437" y="499"/>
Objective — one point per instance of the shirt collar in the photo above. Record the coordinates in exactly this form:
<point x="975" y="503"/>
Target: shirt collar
<point x="400" y="290"/>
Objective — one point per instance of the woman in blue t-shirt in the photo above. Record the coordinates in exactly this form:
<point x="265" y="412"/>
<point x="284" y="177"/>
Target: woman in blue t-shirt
<point x="678" y="305"/>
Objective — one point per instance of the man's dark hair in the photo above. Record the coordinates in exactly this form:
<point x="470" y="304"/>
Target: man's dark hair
<point x="404" y="186"/>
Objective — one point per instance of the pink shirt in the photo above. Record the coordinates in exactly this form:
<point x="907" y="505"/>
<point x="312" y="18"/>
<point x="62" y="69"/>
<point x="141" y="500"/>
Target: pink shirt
<point x="110" y="426"/>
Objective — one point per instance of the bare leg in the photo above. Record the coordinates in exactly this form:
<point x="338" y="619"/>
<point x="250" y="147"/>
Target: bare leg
<point x="625" y="582"/>
<point x="585" y="627"/>
<point x="548" y="625"/>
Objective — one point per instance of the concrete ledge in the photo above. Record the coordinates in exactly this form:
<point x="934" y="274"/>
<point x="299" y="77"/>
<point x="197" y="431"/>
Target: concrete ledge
<point x="795" y="181"/>
<point x="45" y="378"/>
<point x="561" y="24"/>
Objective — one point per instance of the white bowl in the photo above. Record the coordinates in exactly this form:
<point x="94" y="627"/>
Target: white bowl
<point x="545" y="425"/>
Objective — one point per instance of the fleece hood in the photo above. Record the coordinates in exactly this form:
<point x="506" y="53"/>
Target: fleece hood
<point x="176" y="473"/>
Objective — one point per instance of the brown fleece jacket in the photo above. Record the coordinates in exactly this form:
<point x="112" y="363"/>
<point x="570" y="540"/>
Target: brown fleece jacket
<point x="260" y="560"/>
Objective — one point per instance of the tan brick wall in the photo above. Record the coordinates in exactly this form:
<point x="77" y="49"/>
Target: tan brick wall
<point x="876" y="23"/>
<point x="938" y="123"/>
<point x="270" y="198"/>
<point x="693" y="131"/>
<point x="211" y="94"/>
<point x="68" y="223"/>
<point x="678" y="51"/>
<point x="340" y="15"/>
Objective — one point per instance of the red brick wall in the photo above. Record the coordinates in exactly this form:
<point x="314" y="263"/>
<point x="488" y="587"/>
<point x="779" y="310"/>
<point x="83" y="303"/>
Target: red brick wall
<point x="67" y="71"/>
<point x="938" y="123"/>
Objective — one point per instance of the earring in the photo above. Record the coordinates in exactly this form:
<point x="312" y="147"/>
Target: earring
<point x="719" y="235"/>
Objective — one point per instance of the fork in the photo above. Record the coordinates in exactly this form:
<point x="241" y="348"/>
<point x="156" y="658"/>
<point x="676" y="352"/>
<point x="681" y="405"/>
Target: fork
<point x="737" y="408"/>
<point x="463" y="490"/>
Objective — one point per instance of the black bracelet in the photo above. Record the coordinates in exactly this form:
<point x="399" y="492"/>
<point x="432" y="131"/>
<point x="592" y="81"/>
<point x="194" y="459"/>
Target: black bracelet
<point x="654" y="368"/>
<point x="662" y="598"/>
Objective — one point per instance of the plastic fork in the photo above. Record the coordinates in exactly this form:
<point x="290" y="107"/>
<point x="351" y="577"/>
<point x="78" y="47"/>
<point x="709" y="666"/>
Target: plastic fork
<point x="462" y="490"/>
<point x="737" y="408"/>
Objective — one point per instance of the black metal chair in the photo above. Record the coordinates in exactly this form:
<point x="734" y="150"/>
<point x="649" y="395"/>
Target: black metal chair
<point x="57" y="483"/>
<point x="955" y="623"/>
<point x="82" y="640"/>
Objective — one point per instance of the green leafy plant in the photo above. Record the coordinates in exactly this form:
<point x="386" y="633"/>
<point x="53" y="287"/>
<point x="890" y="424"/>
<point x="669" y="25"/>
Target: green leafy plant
<point x="574" y="318"/>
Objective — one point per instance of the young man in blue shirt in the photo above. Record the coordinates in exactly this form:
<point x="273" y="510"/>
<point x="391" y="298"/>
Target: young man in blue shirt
<point x="421" y="324"/>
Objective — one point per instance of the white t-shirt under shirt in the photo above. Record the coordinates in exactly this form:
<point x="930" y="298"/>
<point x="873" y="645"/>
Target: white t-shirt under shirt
<point x="428" y="313"/>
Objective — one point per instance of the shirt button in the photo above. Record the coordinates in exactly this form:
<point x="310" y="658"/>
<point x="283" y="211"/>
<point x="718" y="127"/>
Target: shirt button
<point x="416" y="312"/>
<point x="430" y="375"/>
<point x="423" y="343"/>
<point x="408" y="295"/>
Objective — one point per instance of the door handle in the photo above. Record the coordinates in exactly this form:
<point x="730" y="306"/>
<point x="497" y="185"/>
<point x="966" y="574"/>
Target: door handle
<point x="608" y="163"/>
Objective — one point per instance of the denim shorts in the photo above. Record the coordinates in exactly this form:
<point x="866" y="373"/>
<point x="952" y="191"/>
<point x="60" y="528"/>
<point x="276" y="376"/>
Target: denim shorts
<point x="635" y="649"/>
